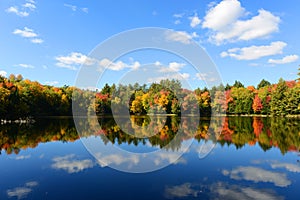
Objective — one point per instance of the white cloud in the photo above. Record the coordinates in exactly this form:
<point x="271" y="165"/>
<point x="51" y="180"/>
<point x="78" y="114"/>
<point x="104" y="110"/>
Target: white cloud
<point x="30" y="6"/>
<point x="86" y="10"/>
<point x="23" y="157"/>
<point x="24" y="11"/>
<point x="14" y="9"/>
<point x="176" y="76"/>
<point x="117" y="159"/>
<point x="255" y="52"/>
<point x="258" y="175"/>
<point x="178" y="15"/>
<point x="225" y="191"/>
<point x="172" y="67"/>
<point x="3" y="73"/>
<point x="195" y="21"/>
<point x="117" y="66"/>
<point x="72" y="59"/>
<point x="284" y="60"/>
<point x="157" y="63"/>
<point x="51" y="82"/>
<point x="37" y="41"/>
<point x="176" y="22"/>
<point x="180" y="36"/>
<point x="22" y="192"/>
<point x="26" y="32"/>
<point x="25" y="65"/>
<point x="180" y="191"/>
<point x="223" y="14"/>
<point x="31" y="184"/>
<point x="75" y="8"/>
<point x="205" y="77"/>
<point x="19" y="192"/>
<point x="72" y="7"/>
<point x="223" y="20"/>
<point x="71" y="165"/>
<point x="219" y="190"/>
<point x="288" y="166"/>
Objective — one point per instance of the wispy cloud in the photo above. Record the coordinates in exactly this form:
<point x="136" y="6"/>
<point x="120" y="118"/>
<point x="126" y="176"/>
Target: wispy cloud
<point x="22" y="157"/>
<point x="28" y="33"/>
<point x="51" y="82"/>
<point x="25" y="66"/>
<point x="75" y="8"/>
<point x="284" y="60"/>
<point x="255" y="52"/>
<point x="224" y="21"/>
<point x="15" y="10"/>
<point x="37" y="41"/>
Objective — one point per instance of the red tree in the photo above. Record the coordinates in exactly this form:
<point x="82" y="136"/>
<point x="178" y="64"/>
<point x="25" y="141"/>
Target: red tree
<point x="257" y="104"/>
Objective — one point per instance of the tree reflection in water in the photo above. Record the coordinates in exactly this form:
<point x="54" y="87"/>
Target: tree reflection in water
<point x="282" y="133"/>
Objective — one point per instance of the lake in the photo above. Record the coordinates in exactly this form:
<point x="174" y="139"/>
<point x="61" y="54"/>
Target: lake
<point x="222" y="158"/>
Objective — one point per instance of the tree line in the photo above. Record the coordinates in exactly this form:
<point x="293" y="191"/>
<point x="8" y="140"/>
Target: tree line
<point x="22" y="98"/>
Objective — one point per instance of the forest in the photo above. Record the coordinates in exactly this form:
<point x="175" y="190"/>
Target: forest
<point x="21" y="98"/>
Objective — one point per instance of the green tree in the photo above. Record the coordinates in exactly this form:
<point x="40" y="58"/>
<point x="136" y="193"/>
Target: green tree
<point x="238" y="84"/>
<point x="278" y="100"/>
<point x="263" y="83"/>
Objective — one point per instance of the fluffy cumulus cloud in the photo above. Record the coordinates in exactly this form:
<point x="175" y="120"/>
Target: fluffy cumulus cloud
<point x="180" y="36"/>
<point x="118" y="65"/>
<point x="28" y="33"/>
<point x="176" y="76"/>
<point x="172" y="67"/>
<point x="195" y="21"/>
<point x="24" y="10"/>
<point x="3" y="73"/>
<point x="224" y="21"/>
<point x="284" y="60"/>
<point x="255" y="52"/>
<point x="73" y="60"/>
<point x="70" y="164"/>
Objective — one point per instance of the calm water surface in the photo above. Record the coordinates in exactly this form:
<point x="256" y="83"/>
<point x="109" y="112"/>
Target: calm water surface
<point x="254" y="158"/>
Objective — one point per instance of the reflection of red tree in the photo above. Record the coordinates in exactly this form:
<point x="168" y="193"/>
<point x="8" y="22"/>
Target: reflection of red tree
<point x="257" y="126"/>
<point x="226" y="131"/>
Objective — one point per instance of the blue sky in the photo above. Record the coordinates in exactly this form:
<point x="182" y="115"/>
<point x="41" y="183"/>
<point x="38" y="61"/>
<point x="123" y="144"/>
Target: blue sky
<point x="248" y="40"/>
